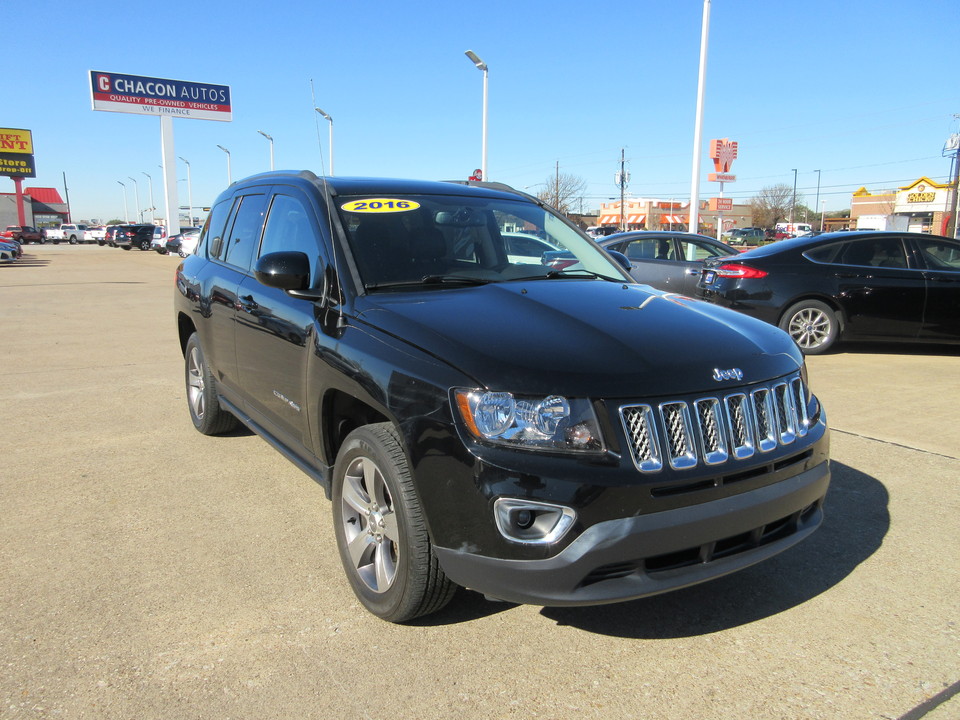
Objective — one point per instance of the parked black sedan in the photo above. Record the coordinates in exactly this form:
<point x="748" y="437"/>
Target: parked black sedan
<point x="669" y="261"/>
<point x="844" y="285"/>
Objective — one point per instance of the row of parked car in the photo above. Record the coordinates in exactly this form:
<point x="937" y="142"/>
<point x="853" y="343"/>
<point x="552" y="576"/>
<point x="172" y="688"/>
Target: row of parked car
<point x="819" y="288"/>
<point x="143" y="236"/>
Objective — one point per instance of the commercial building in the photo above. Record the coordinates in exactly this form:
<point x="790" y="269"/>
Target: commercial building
<point x="653" y="214"/>
<point x="43" y="207"/>
<point x="923" y="206"/>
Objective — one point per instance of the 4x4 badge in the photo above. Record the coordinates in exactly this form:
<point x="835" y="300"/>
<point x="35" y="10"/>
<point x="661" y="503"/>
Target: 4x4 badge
<point x="731" y="374"/>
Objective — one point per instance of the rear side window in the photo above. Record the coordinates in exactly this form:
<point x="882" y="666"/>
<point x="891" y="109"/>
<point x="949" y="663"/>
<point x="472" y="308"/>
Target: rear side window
<point x="695" y="251"/>
<point x="940" y="254"/>
<point x="244" y="238"/>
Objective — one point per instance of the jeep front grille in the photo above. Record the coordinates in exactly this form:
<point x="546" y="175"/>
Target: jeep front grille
<point x="712" y="430"/>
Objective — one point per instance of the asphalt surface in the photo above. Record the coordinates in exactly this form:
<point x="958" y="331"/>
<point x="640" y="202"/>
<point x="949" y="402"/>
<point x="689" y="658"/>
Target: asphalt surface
<point x="147" y="571"/>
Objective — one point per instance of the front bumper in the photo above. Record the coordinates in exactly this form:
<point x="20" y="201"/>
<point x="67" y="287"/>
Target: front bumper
<point x="649" y="554"/>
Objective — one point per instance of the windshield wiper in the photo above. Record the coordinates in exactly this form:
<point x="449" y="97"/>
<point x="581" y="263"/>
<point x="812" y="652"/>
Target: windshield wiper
<point x="430" y="280"/>
<point x="554" y="274"/>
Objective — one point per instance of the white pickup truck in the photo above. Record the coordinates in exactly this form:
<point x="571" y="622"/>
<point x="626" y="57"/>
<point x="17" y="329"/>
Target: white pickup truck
<point x="67" y="232"/>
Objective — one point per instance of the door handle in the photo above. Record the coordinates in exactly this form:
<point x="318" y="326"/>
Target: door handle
<point x="248" y="304"/>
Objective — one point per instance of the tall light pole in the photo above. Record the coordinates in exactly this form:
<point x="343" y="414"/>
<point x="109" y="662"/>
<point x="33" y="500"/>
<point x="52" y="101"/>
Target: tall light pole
<point x="823" y="210"/>
<point x="126" y="212"/>
<point x="793" y="203"/>
<point x="694" y="224"/>
<point x="229" y="173"/>
<point x="189" y="193"/>
<point x="136" y="194"/>
<point x="481" y="65"/>
<point x="271" y="146"/>
<point x="153" y="207"/>
<point x="817" y="203"/>
<point x="330" y="120"/>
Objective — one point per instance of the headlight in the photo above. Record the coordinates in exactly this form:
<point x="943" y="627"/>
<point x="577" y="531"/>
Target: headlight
<point x="532" y="423"/>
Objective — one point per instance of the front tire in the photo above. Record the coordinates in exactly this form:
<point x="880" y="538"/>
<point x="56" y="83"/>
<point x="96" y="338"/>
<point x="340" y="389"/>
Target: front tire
<point x="813" y="325"/>
<point x="144" y="245"/>
<point x="381" y="533"/>
<point x="205" y="411"/>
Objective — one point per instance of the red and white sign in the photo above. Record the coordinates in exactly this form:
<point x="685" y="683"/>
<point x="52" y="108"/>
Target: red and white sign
<point x="721" y="204"/>
<point x="114" y="92"/>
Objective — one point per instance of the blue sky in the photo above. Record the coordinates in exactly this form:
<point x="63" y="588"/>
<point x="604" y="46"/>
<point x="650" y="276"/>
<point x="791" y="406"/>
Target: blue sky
<point x="864" y="91"/>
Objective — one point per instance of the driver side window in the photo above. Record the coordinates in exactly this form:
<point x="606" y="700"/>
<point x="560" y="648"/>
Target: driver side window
<point x="289" y="228"/>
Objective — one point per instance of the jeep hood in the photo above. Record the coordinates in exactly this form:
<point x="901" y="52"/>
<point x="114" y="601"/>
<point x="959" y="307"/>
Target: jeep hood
<point x="582" y="338"/>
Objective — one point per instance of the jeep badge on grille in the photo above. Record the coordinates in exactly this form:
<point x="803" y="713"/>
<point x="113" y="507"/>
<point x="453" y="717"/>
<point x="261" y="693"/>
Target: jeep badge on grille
<point x="731" y="374"/>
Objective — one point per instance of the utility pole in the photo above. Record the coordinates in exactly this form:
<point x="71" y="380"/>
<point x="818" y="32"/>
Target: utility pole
<point x="66" y="191"/>
<point x="622" y="182"/>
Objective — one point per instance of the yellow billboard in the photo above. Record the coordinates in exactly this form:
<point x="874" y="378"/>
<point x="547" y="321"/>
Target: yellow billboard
<point x="14" y="140"/>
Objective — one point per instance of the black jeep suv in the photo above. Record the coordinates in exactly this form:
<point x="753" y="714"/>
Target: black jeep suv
<point x="480" y="418"/>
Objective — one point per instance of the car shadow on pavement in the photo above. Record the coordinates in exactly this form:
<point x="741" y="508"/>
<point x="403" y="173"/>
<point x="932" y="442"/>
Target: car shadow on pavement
<point x="27" y="261"/>
<point x="856" y="521"/>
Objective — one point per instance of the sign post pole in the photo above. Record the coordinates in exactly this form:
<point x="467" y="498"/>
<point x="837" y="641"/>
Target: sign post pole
<point x="171" y="201"/>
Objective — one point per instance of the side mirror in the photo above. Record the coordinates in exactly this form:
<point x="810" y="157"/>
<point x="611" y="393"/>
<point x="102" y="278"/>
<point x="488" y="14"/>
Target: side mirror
<point x="284" y="270"/>
<point x="621" y="259"/>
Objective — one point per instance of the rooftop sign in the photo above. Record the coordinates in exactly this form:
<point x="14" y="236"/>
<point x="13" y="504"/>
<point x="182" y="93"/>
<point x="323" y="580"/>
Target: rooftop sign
<point x="157" y="97"/>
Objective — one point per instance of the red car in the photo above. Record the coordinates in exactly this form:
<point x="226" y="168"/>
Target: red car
<point x="22" y="233"/>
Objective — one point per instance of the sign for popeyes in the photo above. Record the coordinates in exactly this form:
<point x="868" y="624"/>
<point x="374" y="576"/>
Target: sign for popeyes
<point x="723" y="153"/>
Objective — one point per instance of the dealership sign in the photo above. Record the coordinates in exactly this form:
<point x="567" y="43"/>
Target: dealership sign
<point x="157" y="97"/>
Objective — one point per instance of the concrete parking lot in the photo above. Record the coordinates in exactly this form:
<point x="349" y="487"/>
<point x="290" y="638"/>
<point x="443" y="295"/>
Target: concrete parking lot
<point x="147" y="571"/>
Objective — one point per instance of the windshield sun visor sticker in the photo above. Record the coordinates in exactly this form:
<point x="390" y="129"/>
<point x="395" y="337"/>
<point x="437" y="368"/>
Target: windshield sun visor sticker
<point x="380" y="205"/>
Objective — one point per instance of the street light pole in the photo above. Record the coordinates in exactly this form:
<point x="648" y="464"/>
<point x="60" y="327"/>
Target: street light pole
<point x="153" y="207"/>
<point x="229" y="173"/>
<point x="126" y="212"/>
<point x="694" y="218"/>
<point x="330" y="120"/>
<point x="189" y="193"/>
<point x="271" y="146"/>
<point x="136" y="194"/>
<point x="481" y="65"/>
<point x="793" y="203"/>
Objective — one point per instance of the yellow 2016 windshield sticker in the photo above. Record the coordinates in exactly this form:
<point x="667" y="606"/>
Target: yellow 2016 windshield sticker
<point x="380" y="205"/>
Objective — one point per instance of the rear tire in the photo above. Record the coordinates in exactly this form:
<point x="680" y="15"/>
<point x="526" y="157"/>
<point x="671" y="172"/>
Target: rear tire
<point x="205" y="411"/>
<point x="813" y="325"/>
<point x="381" y="533"/>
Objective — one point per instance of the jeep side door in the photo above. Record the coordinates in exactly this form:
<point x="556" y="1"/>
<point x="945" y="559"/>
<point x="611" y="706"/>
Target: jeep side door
<point x="275" y="331"/>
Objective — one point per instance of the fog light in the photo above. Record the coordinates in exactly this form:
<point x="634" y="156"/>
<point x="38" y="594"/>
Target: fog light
<point x="528" y="521"/>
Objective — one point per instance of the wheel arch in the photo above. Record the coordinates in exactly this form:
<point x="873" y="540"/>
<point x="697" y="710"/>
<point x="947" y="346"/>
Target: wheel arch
<point x="185" y="328"/>
<point x="340" y="413"/>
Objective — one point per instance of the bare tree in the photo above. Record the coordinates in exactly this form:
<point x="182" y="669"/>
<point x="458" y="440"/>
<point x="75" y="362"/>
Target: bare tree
<point x="773" y="204"/>
<point x="562" y="191"/>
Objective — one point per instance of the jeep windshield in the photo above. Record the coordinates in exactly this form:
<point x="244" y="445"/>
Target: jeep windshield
<point x="440" y="241"/>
